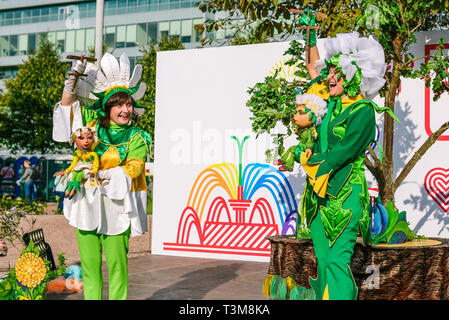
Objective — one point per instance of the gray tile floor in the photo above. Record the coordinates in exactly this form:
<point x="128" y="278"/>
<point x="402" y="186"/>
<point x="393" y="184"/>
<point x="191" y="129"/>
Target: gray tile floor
<point x="159" y="277"/>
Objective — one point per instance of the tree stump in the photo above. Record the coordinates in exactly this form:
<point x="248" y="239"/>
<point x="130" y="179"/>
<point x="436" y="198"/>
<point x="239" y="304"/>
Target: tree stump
<point x="413" y="270"/>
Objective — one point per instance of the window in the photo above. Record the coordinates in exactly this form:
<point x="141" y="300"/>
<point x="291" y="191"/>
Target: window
<point x="17" y="17"/>
<point x="152" y="32"/>
<point x="70" y="41"/>
<point x="110" y="7"/>
<point x="131" y="31"/>
<point x="60" y="41"/>
<point x="23" y="44"/>
<point x="36" y="15"/>
<point x="91" y="9"/>
<point x="109" y="37"/>
<point x="8" y="18"/>
<point x="52" y="37"/>
<point x="31" y="43"/>
<point x="121" y="37"/>
<point x="163" y="29"/>
<point x="13" y="45"/>
<point x="53" y="13"/>
<point x="174" y="4"/>
<point x="163" y="5"/>
<point x="26" y="18"/>
<point x="186" y="30"/>
<point x="45" y="12"/>
<point x="196" y="35"/>
<point x="132" y="6"/>
<point x="175" y="28"/>
<point x="154" y="5"/>
<point x="79" y="42"/>
<point x="90" y="39"/>
<point x="142" y="36"/>
<point x="4" y="46"/>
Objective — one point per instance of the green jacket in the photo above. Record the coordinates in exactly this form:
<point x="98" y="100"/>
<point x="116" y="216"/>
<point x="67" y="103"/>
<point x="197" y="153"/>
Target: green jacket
<point x="340" y="152"/>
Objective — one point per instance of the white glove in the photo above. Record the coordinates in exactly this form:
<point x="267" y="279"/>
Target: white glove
<point x="78" y="67"/>
<point x="104" y="174"/>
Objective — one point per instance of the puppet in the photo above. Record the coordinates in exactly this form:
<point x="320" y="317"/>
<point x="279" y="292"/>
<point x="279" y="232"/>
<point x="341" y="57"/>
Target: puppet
<point x="84" y="158"/>
<point x="309" y="112"/>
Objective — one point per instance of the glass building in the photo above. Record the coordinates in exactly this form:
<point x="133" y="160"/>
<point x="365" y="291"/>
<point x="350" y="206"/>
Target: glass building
<point x="70" y="25"/>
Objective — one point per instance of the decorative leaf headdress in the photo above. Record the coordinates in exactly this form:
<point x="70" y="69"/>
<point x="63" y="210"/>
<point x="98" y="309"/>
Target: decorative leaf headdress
<point x="100" y="84"/>
<point x="360" y="60"/>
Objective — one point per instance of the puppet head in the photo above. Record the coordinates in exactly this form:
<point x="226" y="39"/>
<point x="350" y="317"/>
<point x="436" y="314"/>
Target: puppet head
<point x="84" y="138"/>
<point x="310" y="110"/>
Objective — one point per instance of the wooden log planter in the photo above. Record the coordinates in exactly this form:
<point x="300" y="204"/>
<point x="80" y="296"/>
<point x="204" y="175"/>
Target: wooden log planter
<point x="412" y="270"/>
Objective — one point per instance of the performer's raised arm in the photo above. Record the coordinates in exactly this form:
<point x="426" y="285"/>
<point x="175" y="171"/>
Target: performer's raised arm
<point x="69" y="92"/>
<point x="68" y="111"/>
<point x="308" y="25"/>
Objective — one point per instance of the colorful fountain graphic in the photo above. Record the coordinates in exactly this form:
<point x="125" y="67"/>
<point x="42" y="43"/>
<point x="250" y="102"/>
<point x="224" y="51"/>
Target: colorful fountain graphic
<point x="228" y="212"/>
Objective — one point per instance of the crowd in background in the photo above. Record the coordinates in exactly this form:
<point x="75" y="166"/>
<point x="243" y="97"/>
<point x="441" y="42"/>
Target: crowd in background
<point x="27" y="179"/>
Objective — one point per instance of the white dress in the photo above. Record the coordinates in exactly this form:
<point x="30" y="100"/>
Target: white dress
<point x="109" y="209"/>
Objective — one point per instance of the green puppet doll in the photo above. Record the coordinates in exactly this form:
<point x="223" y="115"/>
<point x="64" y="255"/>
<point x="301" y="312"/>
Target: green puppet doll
<point x="310" y="111"/>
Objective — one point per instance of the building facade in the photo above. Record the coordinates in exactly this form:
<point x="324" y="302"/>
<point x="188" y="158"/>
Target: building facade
<point x="70" y="25"/>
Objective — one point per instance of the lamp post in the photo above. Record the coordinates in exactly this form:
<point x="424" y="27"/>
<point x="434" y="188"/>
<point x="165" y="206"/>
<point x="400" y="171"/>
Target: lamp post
<point x="99" y="21"/>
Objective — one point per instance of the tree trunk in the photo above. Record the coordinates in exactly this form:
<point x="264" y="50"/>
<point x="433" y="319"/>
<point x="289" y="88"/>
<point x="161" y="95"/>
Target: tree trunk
<point x="386" y="185"/>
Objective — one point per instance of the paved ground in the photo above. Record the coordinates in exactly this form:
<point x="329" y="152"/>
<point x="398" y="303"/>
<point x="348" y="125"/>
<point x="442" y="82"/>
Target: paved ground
<point x="153" y="277"/>
<point x="158" y="277"/>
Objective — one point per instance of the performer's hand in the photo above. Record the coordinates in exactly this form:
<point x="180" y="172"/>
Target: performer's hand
<point x="104" y="174"/>
<point x="308" y="19"/>
<point x="308" y="154"/>
<point x="78" y="67"/>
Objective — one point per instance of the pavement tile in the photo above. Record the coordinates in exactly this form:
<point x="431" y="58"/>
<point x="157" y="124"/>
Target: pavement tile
<point x="159" y="277"/>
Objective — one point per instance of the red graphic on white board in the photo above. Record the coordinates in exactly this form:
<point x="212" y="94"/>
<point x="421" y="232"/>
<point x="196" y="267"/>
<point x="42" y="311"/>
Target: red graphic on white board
<point x="436" y="183"/>
<point x="427" y="94"/>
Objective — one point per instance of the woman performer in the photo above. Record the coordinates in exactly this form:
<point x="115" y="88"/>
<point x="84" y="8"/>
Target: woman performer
<point x="336" y="200"/>
<point x="106" y="216"/>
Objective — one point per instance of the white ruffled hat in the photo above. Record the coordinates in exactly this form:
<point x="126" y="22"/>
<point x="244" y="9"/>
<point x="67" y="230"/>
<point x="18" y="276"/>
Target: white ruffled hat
<point x="368" y="55"/>
<point x="315" y="103"/>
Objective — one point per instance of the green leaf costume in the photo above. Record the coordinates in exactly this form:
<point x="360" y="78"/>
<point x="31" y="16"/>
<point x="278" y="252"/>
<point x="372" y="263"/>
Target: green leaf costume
<point x="336" y="219"/>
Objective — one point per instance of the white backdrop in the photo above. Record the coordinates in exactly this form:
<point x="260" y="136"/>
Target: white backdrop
<point x="198" y="207"/>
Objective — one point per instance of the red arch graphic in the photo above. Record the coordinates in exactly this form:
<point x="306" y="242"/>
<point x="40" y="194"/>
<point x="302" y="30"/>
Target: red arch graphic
<point x="266" y="213"/>
<point x="216" y="208"/>
<point x="188" y="219"/>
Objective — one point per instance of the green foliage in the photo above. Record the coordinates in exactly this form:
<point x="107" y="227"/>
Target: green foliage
<point x="7" y="286"/>
<point x="275" y="18"/>
<point x="11" y="290"/>
<point x="15" y="211"/>
<point x="436" y="67"/>
<point x="272" y="102"/>
<point x="249" y="37"/>
<point x="26" y="120"/>
<point x="394" y="24"/>
<point x="60" y="268"/>
<point x="303" y="231"/>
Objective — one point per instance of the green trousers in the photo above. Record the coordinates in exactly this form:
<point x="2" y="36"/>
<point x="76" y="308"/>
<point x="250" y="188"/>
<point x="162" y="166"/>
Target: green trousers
<point x="335" y="280"/>
<point x="90" y="245"/>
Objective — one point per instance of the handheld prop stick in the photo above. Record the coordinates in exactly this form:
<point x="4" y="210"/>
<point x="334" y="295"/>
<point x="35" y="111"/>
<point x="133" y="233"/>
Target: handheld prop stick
<point x="308" y="26"/>
<point x="74" y="71"/>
